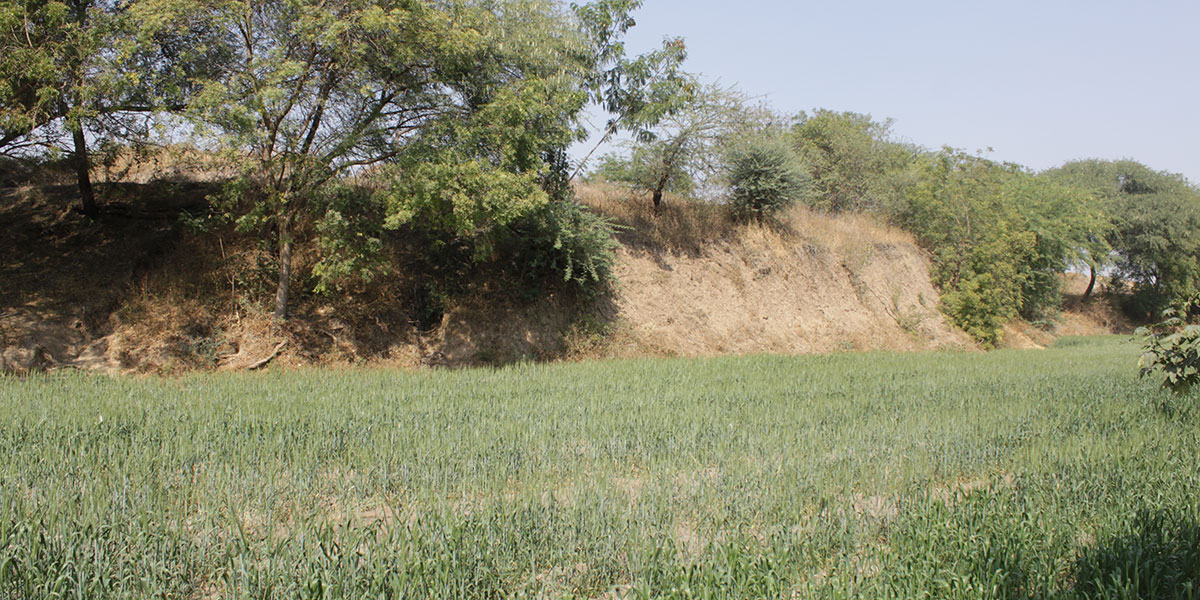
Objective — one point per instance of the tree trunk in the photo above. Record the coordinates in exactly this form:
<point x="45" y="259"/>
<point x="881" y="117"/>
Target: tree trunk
<point x="285" y="267"/>
<point x="82" y="174"/>
<point x="658" y="192"/>
<point x="1091" y="284"/>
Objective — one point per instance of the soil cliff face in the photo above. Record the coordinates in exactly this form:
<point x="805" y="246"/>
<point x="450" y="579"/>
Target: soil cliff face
<point x="753" y="296"/>
<point x="694" y="284"/>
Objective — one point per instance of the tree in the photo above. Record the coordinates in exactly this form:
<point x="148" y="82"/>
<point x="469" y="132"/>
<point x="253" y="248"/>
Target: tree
<point x="1097" y="179"/>
<point x="315" y="90"/>
<point x="459" y="112"/>
<point x="975" y="244"/>
<point x="1153" y="229"/>
<point x="998" y="237"/>
<point x="637" y="92"/>
<point x="52" y="60"/>
<point x="80" y="69"/>
<point x="684" y="153"/>
<point x="854" y="164"/>
<point x="1068" y="228"/>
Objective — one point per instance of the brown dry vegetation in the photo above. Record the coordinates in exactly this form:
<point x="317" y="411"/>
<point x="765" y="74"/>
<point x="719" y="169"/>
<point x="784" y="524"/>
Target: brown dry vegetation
<point x="63" y="276"/>
<point x="138" y="292"/>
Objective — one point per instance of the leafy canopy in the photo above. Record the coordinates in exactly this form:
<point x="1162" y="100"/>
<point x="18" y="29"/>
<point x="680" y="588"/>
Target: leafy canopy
<point x="1151" y="230"/>
<point x="998" y="235"/>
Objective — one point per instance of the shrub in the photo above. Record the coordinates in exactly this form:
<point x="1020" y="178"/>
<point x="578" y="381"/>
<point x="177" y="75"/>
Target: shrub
<point x="562" y="242"/>
<point x="349" y="238"/>
<point x="978" y="307"/>
<point x="765" y="176"/>
<point x="1172" y="347"/>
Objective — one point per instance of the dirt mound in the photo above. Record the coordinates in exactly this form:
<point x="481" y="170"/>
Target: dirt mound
<point x="694" y="283"/>
<point x="758" y="295"/>
<point x="135" y="293"/>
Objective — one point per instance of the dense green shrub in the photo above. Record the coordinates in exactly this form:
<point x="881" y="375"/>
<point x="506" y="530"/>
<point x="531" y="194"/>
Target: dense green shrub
<point x="1172" y="348"/>
<point x="979" y="307"/>
<point x="765" y="176"/>
<point x="998" y="237"/>
<point x="349" y="238"/>
<point x="562" y="243"/>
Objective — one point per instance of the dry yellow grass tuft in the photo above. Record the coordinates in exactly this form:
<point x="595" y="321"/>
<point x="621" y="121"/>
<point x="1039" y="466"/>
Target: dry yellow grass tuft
<point x="689" y="226"/>
<point x="843" y="233"/>
<point x="163" y="163"/>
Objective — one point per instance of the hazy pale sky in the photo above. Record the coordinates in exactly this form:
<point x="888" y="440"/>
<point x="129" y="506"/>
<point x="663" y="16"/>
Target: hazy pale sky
<point x="1038" y="82"/>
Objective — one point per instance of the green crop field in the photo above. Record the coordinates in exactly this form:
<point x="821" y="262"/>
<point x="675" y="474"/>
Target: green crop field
<point x="1052" y="473"/>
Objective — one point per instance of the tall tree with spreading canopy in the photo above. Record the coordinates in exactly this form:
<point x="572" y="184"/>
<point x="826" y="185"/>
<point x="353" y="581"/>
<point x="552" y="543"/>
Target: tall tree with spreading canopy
<point x="74" y="70"/>
<point x="1153" y="235"/>
<point x="316" y="90"/>
<point x="460" y="111"/>
<point x="55" y="70"/>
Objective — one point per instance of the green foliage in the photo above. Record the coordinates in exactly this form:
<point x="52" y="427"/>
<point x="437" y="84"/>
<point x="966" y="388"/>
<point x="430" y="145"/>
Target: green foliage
<point x="684" y="152"/>
<point x="1171" y="348"/>
<point x="52" y="64"/>
<point x="977" y="245"/>
<point x="469" y="174"/>
<point x="854" y="164"/>
<point x="349" y="239"/>
<point x="1153" y="229"/>
<point x="1158" y="245"/>
<point x="765" y="177"/>
<point x="1068" y="228"/>
<point x="458" y="113"/>
<point x="637" y="91"/>
<point x="1156" y="555"/>
<point x="105" y="68"/>
<point x="563" y="243"/>
<point x="999" y="237"/>
<point x="980" y="304"/>
<point x="648" y="167"/>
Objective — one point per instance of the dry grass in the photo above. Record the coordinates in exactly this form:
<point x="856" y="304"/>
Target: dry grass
<point x="695" y="282"/>
<point x="844" y="233"/>
<point x="678" y="225"/>
<point x="690" y="227"/>
<point x="163" y="163"/>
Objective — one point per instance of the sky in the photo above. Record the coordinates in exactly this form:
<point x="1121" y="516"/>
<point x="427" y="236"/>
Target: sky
<point x="1039" y="83"/>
